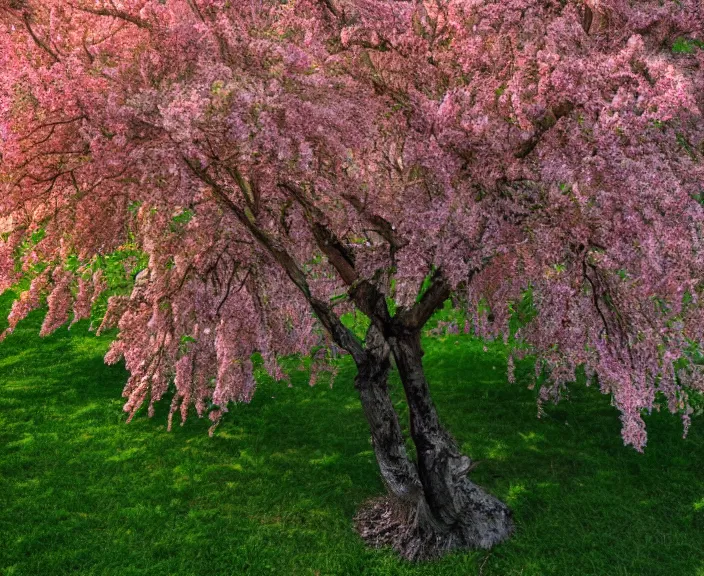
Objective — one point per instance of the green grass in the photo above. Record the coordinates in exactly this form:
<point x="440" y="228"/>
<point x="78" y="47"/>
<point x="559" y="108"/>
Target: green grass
<point x="275" y="490"/>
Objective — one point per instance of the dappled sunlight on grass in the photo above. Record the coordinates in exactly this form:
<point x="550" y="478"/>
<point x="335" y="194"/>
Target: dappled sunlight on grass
<point x="515" y="492"/>
<point x="275" y="490"/>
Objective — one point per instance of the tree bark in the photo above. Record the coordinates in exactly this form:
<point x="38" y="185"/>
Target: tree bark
<point x="398" y="472"/>
<point x="459" y="513"/>
<point x="394" y="519"/>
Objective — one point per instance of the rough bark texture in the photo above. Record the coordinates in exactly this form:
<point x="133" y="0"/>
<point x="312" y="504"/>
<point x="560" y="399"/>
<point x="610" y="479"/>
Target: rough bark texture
<point x="392" y="520"/>
<point x="450" y="512"/>
<point x="398" y="472"/>
<point x="459" y="513"/>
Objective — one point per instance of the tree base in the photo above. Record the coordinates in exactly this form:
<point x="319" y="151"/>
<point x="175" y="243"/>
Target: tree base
<point x="385" y="521"/>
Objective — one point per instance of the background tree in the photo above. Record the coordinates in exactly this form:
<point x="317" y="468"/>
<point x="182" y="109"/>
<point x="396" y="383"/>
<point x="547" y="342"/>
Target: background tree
<point x="282" y="164"/>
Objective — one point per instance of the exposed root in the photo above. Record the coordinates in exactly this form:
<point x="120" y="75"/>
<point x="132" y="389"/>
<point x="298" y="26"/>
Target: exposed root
<point x="384" y="522"/>
<point x="415" y="536"/>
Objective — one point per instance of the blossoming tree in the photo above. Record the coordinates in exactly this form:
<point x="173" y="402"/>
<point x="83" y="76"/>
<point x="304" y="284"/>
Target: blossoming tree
<point x="284" y="162"/>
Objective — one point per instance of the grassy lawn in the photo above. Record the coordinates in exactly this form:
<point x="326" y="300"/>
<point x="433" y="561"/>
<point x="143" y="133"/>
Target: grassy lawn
<point x="275" y="490"/>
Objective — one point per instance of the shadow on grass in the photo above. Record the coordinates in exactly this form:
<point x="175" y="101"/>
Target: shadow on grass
<point x="275" y="490"/>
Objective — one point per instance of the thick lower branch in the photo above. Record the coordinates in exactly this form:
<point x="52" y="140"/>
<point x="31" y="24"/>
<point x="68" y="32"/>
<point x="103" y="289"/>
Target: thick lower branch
<point x="417" y="315"/>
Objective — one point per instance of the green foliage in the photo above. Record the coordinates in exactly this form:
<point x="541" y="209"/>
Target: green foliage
<point x="25" y="247"/>
<point x="684" y="45"/>
<point x="184" y="342"/>
<point x="522" y="312"/>
<point x="119" y="271"/>
<point x="696" y="400"/>
<point x="181" y="220"/>
<point x="275" y="490"/>
<point x="357" y="322"/>
<point x="37" y="236"/>
<point x="133" y="207"/>
<point x="686" y="145"/>
<point x="427" y="281"/>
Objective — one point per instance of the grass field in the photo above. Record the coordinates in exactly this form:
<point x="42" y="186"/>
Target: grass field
<point x="275" y="490"/>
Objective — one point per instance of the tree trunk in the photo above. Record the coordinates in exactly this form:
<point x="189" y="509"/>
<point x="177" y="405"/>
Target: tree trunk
<point x="390" y="520"/>
<point x="456" y="513"/>
<point x="398" y="472"/>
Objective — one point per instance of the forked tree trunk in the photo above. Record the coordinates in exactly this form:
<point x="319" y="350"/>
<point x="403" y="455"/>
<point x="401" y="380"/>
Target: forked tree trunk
<point x="393" y="519"/>
<point x="431" y="507"/>
<point x="459" y="513"/>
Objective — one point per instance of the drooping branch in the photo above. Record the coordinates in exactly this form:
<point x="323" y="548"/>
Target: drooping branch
<point x="340" y="333"/>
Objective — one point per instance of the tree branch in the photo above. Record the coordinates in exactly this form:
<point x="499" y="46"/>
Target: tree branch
<point x="340" y="333"/>
<point x="38" y="41"/>
<point x="542" y="125"/>
<point x="119" y="14"/>
<point x="336" y="252"/>
<point x="381" y="226"/>
<point x="587" y="18"/>
<point x="415" y="317"/>
<point x="52" y="126"/>
<point x="332" y="7"/>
